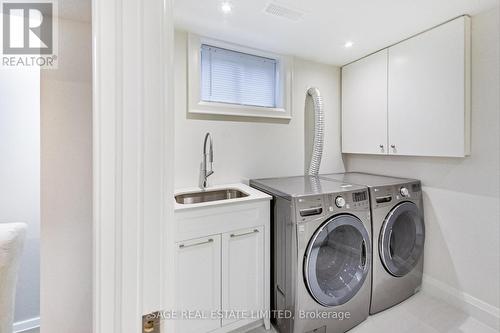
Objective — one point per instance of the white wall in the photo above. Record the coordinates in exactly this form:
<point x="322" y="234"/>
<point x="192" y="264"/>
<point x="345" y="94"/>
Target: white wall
<point x="20" y="176"/>
<point x="461" y="195"/>
<point x="252" y="148"/>
<point x="66" y="180"/>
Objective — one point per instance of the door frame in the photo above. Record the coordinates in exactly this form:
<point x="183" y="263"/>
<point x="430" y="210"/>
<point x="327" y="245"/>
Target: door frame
<point x="133" y="167"/>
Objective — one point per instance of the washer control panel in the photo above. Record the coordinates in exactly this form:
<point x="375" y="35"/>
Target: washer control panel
<point x="340" y="202"/>
<point x="313" y="207"/>
<point x="351" y="200"/>
<point x="310" y="208"/>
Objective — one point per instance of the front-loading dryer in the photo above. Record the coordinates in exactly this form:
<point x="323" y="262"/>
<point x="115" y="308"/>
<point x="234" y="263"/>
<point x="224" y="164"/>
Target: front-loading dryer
<point x="321" y="247"/>
<point x="398" y="235"/>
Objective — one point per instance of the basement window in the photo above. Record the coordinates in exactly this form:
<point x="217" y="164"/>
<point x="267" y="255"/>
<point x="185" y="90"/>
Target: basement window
<point x="237" y="78"/>
<point x="226" y="79"/>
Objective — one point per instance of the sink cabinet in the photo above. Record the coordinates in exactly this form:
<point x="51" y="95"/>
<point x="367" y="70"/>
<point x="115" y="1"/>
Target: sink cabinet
<point x="222" y="265"/>
<point x="198" y="264"/>
<point x="242" y="267"/>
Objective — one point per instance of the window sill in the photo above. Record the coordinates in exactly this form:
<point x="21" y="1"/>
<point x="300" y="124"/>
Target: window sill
<point x="224" y="109"/>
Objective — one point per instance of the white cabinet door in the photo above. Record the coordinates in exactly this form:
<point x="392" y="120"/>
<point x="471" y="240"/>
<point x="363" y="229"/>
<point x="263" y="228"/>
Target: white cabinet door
<point x="198" y="283"/>
<point x="429" y="92"/>
<point x="243" y="271"/>
<point x="364" y="105"/>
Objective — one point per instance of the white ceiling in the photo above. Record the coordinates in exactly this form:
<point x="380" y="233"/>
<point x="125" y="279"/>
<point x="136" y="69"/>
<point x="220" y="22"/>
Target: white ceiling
<point x="326" y="25"/>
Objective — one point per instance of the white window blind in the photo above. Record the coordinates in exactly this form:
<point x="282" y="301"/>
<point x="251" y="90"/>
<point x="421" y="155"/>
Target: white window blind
<point x="237" y="78"/>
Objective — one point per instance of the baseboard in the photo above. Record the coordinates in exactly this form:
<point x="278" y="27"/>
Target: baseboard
<point x="25" y="325"/>
<point x="482" y="311"/>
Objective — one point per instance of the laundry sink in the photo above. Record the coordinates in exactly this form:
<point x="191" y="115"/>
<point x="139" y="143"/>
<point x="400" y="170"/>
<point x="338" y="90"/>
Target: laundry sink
<point x="209" y="195"/>
<point x="218" y="209"/>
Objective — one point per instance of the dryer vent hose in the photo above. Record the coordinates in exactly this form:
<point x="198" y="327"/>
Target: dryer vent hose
<point x="319" y="125"/>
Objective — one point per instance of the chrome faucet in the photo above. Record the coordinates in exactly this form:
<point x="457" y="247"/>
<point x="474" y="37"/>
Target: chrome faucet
<point x="205" y="173"/>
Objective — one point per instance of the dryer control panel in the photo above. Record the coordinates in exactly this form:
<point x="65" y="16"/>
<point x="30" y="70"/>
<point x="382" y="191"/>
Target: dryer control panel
<point x="388" y="195"/>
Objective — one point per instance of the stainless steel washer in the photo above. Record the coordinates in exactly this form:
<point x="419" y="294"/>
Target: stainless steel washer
<point x="398" y="235"/>
<point x="321" y="248"/>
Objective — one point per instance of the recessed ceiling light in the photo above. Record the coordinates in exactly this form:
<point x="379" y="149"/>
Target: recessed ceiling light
<point x="226" y="7"/>
<point x="348" y="44"/>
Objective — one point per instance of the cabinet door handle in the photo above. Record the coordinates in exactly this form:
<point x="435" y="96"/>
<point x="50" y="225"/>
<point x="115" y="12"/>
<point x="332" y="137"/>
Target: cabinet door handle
<point x="195" y="244"/>
<point x="246" y="233"/>
<point x="393" y="146"/>
<point x="381" y="146"/>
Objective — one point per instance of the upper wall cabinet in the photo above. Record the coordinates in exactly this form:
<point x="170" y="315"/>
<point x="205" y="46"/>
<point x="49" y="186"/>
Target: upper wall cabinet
<point x="429" y="103"/>
<point x="364" y="105"/>
<point x="427" y="93"/>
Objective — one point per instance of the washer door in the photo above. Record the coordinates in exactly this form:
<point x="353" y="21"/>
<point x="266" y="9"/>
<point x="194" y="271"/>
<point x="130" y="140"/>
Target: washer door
<point x="402" y="237"/>
<point x="337" y="260"/>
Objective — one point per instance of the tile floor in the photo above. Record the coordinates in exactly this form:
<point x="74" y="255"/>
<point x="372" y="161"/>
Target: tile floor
<point x="420" y="314"/>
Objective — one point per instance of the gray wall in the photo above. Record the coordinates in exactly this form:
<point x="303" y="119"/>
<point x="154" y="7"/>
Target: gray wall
<point x="462" y="194"/>
<point x="66" y="183"/>
<point x="20" y="176"/>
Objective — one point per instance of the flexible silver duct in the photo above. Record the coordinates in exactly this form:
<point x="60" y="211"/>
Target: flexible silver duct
<point x="319" y="125"/>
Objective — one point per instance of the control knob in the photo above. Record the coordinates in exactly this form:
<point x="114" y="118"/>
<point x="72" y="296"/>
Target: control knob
<point x="339" y="202"/>
<point x="404" y="192"/>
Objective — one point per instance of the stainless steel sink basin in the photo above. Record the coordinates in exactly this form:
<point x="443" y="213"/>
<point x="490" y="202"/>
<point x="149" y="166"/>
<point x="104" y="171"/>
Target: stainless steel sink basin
<point x="207" y="196"/>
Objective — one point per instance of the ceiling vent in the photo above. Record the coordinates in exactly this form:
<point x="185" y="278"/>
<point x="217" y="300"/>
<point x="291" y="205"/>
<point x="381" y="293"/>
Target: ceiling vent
<point x="279" y="10"/>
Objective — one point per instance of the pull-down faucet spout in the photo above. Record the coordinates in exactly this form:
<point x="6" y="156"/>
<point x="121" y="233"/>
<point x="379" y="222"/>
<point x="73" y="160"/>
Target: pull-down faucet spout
<point x="205" y="173"/>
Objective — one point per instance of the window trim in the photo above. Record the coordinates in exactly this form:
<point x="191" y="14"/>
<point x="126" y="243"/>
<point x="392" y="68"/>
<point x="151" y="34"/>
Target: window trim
<point x="197" y="106"/>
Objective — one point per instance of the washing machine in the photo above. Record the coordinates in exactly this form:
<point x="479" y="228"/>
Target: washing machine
<point x="398" y="232"/>
<point x="321" y="254"/>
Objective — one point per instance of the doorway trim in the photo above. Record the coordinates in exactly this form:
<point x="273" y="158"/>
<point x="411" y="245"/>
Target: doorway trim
<point x="132" y="161"/>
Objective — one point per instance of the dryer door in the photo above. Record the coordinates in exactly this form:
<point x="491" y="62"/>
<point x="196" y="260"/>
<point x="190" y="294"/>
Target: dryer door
<point x="337" y="260"/>
<point x="401" y="240"/>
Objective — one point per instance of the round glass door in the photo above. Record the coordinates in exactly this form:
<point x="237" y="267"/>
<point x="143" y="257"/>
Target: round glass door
<point x="337" y="260"/>
<point x="401" y="241"/>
